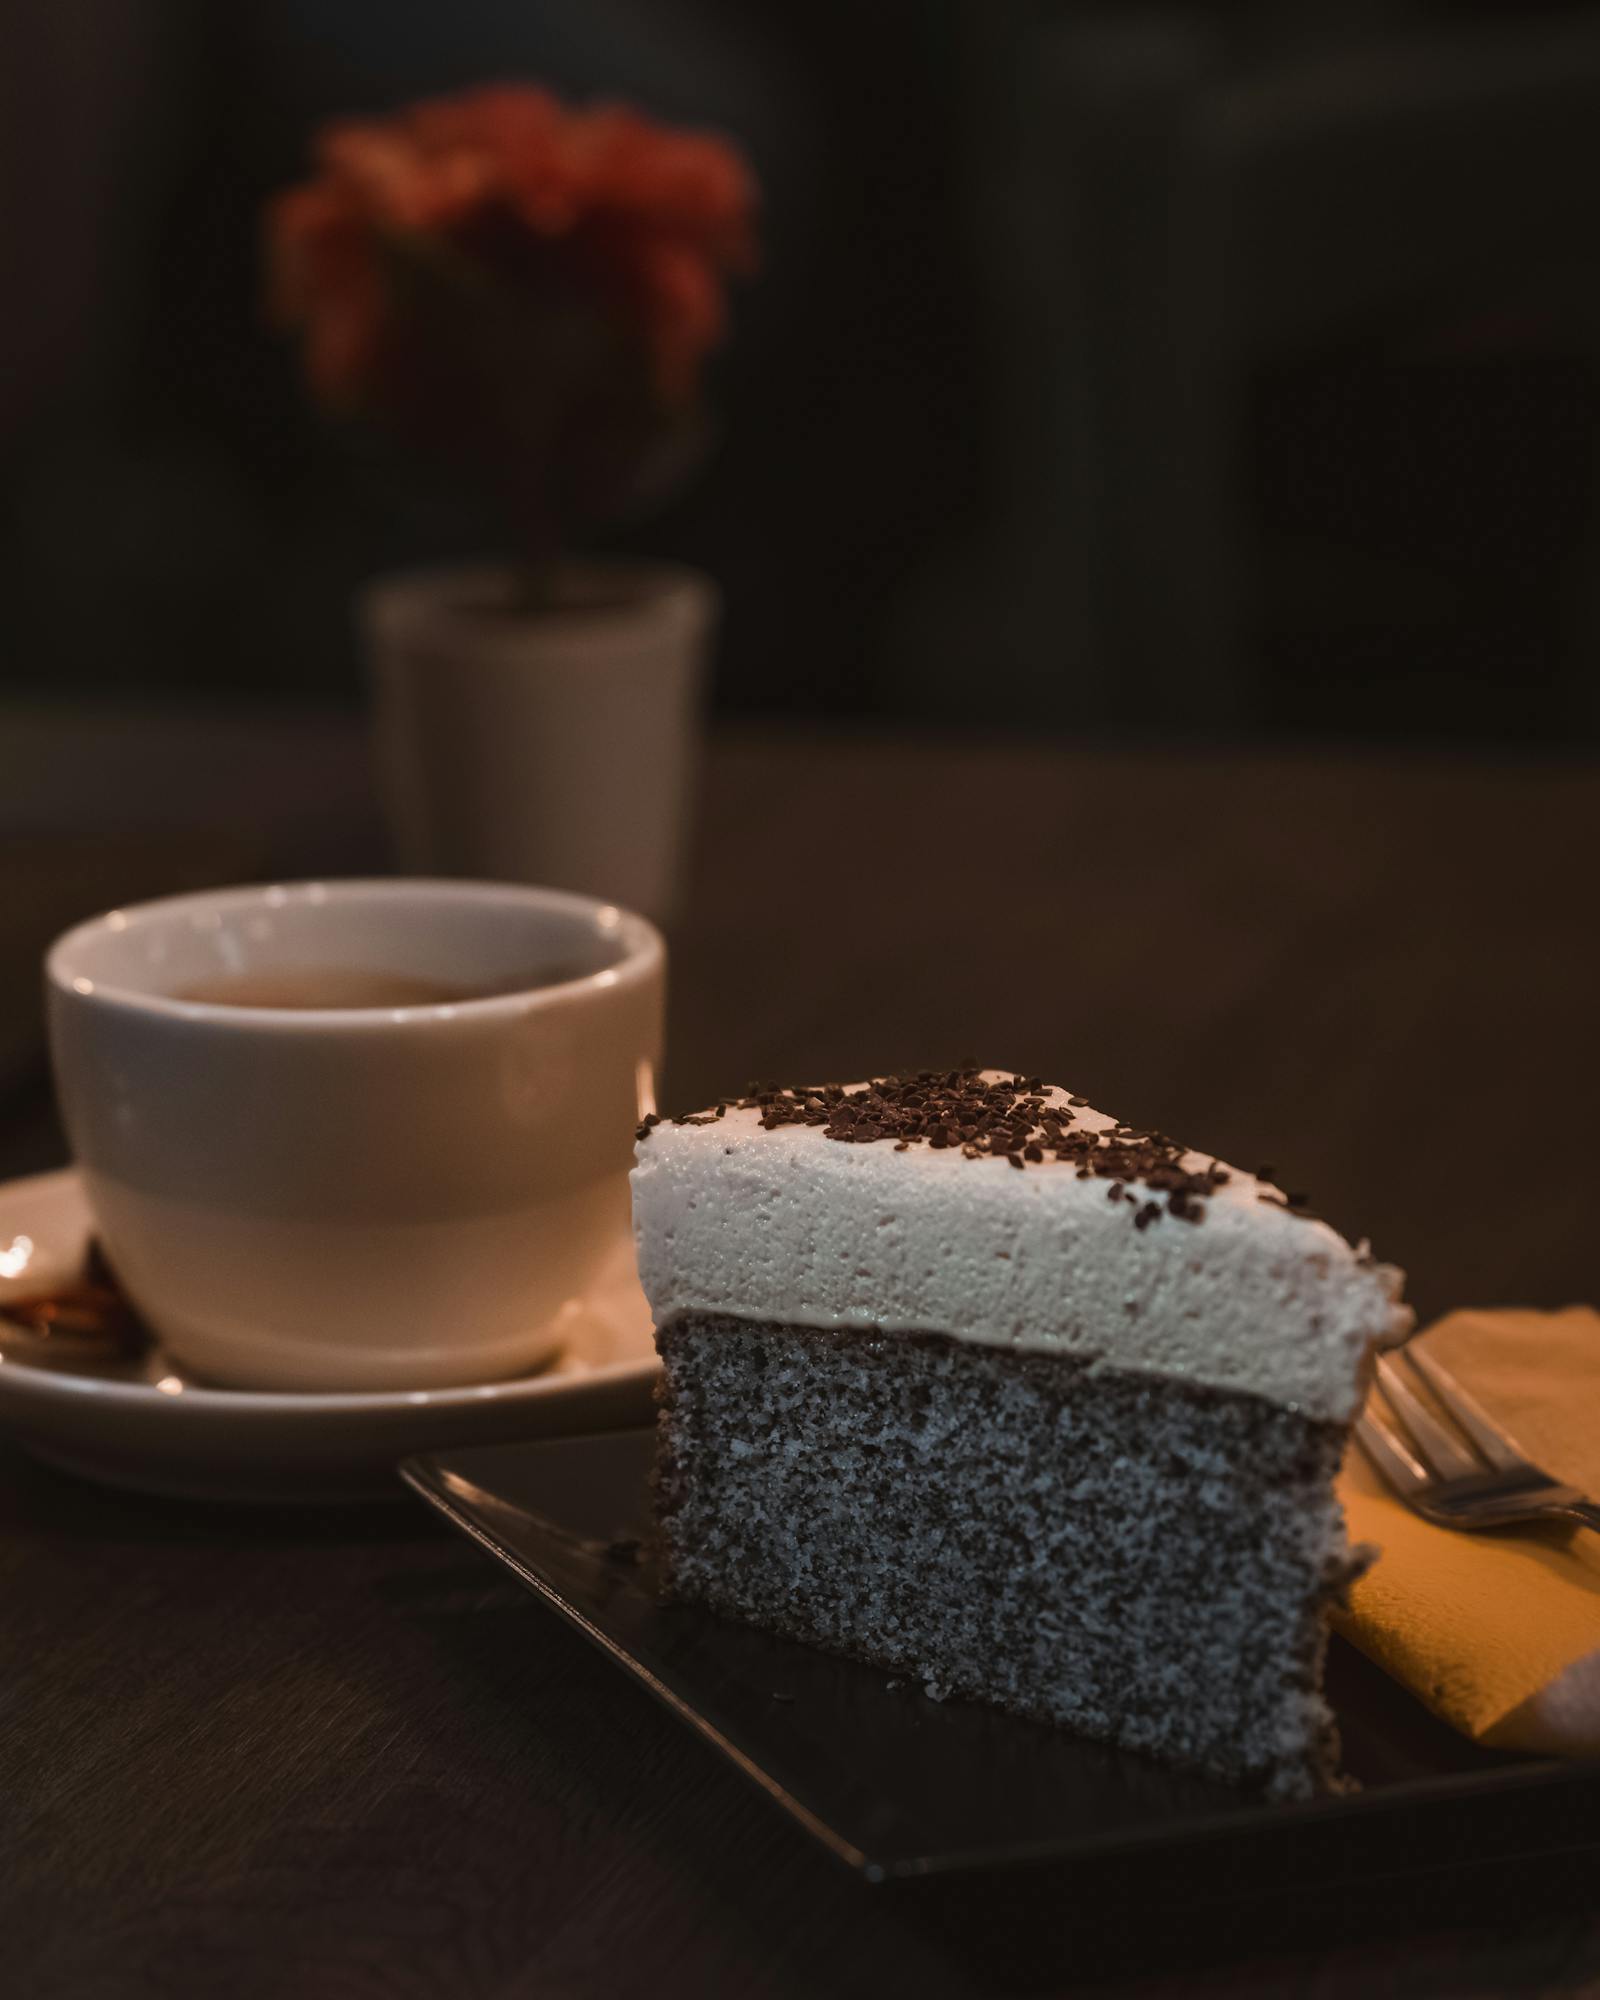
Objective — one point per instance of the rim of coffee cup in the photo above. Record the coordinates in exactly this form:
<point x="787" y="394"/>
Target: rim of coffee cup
<point x="641" y="950"/>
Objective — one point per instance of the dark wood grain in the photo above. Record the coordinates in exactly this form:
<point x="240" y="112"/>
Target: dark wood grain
<point x="254" y="1753"/>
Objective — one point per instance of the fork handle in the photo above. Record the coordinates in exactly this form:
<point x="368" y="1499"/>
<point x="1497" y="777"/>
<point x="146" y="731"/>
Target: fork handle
<point x="1586" y="1511"/>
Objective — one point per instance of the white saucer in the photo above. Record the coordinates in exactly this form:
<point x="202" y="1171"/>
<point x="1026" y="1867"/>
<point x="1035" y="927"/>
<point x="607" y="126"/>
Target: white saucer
<point x="139" y="1424"/>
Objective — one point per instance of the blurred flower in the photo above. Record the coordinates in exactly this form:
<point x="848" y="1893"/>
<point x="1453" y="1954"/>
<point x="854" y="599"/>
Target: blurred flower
<point x="525" y="286"/>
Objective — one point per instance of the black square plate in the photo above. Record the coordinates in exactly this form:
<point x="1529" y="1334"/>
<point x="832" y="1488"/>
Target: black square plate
<point x="897" y="1785"/>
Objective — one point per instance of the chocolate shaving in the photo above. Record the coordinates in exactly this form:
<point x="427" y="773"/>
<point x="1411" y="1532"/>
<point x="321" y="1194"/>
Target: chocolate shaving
<point x="1010" y="1117"/>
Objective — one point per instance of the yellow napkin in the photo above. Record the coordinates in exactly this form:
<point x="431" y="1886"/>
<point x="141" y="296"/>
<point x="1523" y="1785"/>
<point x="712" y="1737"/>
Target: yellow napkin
<point x="1498" y="1633"/>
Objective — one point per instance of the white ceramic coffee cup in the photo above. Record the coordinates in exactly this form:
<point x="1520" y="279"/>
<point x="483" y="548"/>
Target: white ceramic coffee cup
<point x="357" y="1197"/>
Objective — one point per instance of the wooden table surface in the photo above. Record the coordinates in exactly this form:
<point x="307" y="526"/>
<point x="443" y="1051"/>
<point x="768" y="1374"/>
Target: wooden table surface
<point x="253" y="1753"/>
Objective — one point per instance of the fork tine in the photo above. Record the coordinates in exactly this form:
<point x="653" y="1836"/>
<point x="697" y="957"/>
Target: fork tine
<point x="1501" y="1450"/>
<point x="1389" y="1456"/>
<point x="1441" y="1450"/>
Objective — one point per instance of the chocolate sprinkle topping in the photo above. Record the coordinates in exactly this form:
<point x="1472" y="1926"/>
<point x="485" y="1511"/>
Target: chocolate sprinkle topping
<point x="1010" y="1118"/>
<point x="1296" y="1204"/>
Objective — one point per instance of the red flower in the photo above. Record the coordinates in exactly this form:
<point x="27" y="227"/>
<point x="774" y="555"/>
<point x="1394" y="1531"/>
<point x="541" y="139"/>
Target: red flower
<point x="507" y="202"/>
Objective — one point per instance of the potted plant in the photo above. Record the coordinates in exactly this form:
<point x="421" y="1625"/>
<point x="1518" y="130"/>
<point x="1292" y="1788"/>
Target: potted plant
<point x="526" y="292"/>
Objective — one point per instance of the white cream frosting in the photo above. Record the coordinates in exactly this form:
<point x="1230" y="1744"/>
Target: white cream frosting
<point x="791" y="1225"/>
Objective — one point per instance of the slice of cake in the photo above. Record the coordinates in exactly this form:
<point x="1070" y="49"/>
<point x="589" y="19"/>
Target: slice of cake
<point x="964" y="1378"/>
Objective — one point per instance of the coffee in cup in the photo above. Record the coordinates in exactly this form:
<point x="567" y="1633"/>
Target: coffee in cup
<point x="357" y="1135"/>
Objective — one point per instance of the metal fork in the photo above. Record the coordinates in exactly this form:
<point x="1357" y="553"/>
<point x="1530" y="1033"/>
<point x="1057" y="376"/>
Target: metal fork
<point x="1447" y="1480"/>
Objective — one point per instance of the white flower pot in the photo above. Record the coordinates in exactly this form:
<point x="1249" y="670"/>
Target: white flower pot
<point x="553" y="746"/>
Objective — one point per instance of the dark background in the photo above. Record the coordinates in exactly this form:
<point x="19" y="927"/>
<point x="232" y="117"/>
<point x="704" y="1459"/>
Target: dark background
<point x="1147" y="370"/>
